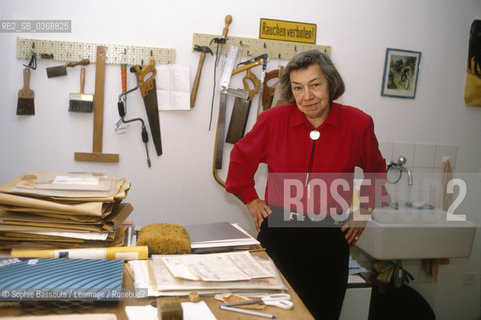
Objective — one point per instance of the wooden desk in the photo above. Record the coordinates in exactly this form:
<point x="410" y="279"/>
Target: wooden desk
<point x="118" y="308"/>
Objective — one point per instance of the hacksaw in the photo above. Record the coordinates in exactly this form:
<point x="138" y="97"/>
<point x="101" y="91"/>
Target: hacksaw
<point x="224" y="92"/>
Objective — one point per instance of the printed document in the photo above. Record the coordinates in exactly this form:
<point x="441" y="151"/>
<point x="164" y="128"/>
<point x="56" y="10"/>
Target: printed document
<point x="232" y="266"/>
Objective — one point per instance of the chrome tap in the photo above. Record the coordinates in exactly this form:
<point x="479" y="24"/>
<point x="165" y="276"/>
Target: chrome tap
<point x="399" y="165"/>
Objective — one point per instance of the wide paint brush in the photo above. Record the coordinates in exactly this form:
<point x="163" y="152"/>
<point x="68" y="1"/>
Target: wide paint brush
<point x="25" y="104"/>
<point x="62" y="70"/>
<point x="81" y="102"/>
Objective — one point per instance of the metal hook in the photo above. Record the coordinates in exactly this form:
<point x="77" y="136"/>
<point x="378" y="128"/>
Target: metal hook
<point x="32" y="63"/>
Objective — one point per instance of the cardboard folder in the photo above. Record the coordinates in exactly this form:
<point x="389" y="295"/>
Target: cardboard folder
<point x="56" y="186"/>
<point x="72" y="278"/>
<point x="88" y="208"/>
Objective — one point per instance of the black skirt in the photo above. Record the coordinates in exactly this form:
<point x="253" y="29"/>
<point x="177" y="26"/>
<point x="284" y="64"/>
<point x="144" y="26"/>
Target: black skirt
<point x="313" y="257"/>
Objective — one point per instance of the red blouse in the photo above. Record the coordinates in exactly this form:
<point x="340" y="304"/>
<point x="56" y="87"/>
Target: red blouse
<point x="280" y="138"/>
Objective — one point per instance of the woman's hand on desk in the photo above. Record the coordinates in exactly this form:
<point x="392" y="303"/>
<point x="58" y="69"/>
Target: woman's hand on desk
<point x="355" y="226"/>
<point x="259" y="210"/>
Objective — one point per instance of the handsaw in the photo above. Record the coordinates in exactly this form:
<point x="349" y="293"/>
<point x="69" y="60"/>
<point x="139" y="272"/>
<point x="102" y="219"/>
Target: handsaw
<point x="224" y="84"/>
<point x="240" y="111"/>
<point x="268" y="91"/>
<point x="262" y="59"/>
<point x="148" y="91"/>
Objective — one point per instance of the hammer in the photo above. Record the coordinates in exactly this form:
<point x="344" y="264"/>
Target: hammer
<point x="203" y="50"/>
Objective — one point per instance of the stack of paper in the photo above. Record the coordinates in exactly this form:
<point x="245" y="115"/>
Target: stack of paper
<point x="167" y="275"/>
<point x="62" y="210"/>
<point x="219" y="236"/>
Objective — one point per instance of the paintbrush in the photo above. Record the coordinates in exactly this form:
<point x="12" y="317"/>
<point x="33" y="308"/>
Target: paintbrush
<point x="62" y="70"/>
<point x="25" y="104"/>
<point x="81" y="102"/>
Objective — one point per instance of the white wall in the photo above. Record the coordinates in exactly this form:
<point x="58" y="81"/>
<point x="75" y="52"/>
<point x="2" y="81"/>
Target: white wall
<point x="179" y="188"/>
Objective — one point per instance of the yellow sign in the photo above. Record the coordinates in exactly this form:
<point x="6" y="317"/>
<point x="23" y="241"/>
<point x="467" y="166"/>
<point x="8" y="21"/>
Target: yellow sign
<point x="287" y="31"/>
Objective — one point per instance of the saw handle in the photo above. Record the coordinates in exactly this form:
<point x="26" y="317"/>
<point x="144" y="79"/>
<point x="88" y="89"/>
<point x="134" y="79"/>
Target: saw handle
<point x="246" y="67"/>
<point x="83" y="62"/>
<point x="228" y="21"/>
<point x="257" y="83"/>
<point x="146" y="85"/>
<point x="268" y="92"/>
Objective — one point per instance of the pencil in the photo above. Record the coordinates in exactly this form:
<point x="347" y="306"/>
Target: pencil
<point x="249" y="312"/>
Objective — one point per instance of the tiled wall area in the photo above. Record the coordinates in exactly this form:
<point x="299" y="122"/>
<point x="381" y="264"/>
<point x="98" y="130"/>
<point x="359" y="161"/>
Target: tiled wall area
<point x="426" y="163"/>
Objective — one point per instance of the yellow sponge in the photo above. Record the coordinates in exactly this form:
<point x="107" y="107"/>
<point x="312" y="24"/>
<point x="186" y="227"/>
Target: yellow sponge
<point x="164" y="238"/>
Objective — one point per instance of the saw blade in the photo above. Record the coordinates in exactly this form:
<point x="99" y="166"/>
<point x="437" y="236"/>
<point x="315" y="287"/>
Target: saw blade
<point x="152" y="109"/>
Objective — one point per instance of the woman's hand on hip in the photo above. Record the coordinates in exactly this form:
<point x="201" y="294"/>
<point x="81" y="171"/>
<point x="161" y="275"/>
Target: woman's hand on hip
<point x="259" y="210"/>
<point x="355" y="226"/>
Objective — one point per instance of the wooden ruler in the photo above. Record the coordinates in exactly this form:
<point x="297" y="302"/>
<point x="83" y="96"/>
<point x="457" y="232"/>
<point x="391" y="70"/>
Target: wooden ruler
<point x="96" y="155"/>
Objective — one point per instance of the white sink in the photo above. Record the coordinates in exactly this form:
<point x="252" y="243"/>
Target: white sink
<point x="416" y="234"/>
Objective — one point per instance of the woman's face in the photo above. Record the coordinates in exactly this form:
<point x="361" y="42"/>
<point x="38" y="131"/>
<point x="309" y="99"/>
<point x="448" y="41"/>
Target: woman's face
<point x="311" y="93"/>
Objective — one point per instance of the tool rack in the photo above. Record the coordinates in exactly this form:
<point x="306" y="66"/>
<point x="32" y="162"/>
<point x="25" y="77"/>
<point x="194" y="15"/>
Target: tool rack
<point x="248" y="47"/>
<point x="67" y="51"/>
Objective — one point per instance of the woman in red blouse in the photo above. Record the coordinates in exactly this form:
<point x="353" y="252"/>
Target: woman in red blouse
<point x="311" y="147"/>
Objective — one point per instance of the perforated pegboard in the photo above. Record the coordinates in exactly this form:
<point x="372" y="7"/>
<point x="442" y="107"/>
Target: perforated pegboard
<point x="249" y="47"/>
<point x="67" y="51"/>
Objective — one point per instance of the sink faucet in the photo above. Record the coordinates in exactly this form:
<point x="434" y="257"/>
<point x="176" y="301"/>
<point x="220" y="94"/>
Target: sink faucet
<point x="399" y="165"/>
<point x="410" y="175"/>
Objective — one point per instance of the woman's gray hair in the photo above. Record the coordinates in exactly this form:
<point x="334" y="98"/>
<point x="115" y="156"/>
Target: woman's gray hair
<point x="304" y="60"/>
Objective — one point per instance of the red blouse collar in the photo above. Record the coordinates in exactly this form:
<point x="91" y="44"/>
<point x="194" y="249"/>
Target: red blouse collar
<point x="298" y="118"/>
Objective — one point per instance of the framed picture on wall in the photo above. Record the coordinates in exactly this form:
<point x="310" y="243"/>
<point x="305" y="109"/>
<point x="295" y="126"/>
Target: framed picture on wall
<point x="401" y="69"/>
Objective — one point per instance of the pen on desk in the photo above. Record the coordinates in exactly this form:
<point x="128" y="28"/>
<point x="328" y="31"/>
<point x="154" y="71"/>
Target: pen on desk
<point x="252" y="313"/>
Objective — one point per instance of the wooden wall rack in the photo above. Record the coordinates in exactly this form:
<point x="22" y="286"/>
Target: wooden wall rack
<point x="67" y="51"/>
<point x="248" y="47"/>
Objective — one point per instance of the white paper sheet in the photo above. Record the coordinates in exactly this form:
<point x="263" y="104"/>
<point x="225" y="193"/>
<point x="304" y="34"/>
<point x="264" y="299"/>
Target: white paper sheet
<point x="173" y="87"/>
<point x="191" y="311"/>
<point x="163" y="283"/>
<point x="232" y="266"/>
<point x="76" y="235"/>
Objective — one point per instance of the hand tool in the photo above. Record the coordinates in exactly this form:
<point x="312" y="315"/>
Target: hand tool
<point x="122" y="107"/>
<point x="220" y="44"/>
<point x="280" y="300"/>
<point x="97" y="155"/>
<point x="81" y="102"/>
<point x="120" y="127"/>
<point x="62" y="70"/>
<point x="219" y="134"/>
<point x="203" y="50"/>
<point x="263" y="58"/>
<point x="25" y="103"/>
<point x="268" y="91"/>
<point x="148" y="91"/>
<point x="277" y="99"/>
<point x="261" y="90"/>
<point x="240" y="111"/>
